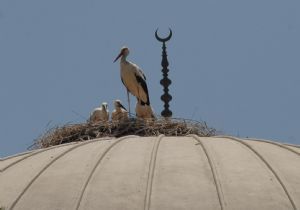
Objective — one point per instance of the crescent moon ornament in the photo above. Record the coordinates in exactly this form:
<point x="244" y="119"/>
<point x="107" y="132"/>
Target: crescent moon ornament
<point x="163" y="39"/>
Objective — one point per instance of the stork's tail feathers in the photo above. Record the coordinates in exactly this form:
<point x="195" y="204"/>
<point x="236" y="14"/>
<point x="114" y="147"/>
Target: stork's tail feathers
<point x="142" y="102"/>
<point x="147" y="108"/>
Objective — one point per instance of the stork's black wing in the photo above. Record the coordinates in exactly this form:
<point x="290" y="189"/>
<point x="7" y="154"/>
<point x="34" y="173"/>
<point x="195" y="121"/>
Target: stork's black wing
<point x="143" y="75"/>
<point x="141" y="79"/>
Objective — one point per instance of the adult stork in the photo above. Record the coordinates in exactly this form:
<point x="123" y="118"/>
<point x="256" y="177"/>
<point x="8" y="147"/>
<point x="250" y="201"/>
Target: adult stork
<point x="133" y="79"/>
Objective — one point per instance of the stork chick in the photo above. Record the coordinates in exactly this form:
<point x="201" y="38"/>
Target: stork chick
<point x="120" y="114"/>
<point x="133" y="79"/>
<point x="144" y="111"/>
<point x="100" y="114"/>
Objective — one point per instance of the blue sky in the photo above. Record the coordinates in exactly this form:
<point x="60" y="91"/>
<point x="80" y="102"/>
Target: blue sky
<point x="234" y="64"/>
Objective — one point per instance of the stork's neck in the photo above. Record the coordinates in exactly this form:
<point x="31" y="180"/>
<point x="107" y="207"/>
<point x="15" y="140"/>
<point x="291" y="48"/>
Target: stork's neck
<point x="123" y="59"/>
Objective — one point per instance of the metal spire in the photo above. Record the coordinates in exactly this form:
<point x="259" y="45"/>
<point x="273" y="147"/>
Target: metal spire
<point x="165" y="82"/>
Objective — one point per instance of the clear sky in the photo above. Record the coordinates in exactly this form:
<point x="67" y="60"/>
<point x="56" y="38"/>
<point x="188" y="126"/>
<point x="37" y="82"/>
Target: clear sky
<point x="234" y="64"/>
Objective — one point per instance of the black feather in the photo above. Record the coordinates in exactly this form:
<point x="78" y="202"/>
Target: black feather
<point x="121" y="106"/>
<point x="123" y="81"/>
<point x="142" y="82"/>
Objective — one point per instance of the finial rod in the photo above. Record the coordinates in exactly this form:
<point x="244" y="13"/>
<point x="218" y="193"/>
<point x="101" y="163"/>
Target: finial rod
<point x="165" y="82"/>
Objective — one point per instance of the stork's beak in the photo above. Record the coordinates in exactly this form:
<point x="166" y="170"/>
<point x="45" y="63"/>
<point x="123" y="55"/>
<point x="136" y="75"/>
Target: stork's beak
<point x="121" y="53"/>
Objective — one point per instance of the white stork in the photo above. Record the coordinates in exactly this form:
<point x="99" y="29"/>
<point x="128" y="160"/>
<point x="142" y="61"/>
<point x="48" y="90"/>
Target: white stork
<point x="100" y="114"/>
<point x="120" y="114"/>
<point x="144" y="111"/>
<point x="133" y="79"/>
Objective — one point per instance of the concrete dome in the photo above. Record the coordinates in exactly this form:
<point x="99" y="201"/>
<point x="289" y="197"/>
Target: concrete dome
<point x="164" y="173"/>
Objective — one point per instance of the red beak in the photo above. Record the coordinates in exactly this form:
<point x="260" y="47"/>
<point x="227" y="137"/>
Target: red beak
<point x="121" y="53"/>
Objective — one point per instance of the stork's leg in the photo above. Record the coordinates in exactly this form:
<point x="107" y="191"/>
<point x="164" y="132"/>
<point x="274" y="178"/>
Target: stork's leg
<point x="128" y="102"/>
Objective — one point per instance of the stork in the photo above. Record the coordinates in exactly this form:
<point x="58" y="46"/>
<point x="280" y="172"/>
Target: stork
<point x="144" y="111"/>
<point x="120" y="114"/>
<point x="133" y="79"/>
<point x="100" y="114"/>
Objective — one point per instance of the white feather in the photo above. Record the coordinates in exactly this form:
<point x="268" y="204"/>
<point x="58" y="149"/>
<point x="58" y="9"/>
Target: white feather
<point x="100" y="114"/>
<point x="144" y="111"/>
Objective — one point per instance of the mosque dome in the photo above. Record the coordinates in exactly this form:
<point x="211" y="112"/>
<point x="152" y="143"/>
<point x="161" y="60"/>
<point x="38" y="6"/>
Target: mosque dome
<point x="161" y="173"/>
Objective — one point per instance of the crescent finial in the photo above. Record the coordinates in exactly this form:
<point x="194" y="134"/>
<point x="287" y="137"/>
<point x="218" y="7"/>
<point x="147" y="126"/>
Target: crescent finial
<point x="163" y="39"/>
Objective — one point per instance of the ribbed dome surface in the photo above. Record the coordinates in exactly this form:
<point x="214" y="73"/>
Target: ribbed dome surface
<point x="162" y="173"/>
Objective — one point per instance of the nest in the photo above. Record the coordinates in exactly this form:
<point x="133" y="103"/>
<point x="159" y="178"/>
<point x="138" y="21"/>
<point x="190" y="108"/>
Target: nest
<point x="86" y="131"/>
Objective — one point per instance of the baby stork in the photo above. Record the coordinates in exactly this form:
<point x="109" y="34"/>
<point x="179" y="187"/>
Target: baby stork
<point x="100" y="114"/>
<point x="120" y="114"/>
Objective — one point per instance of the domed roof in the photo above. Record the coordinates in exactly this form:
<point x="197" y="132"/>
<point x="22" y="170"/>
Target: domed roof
<point x="154" y="173"/>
